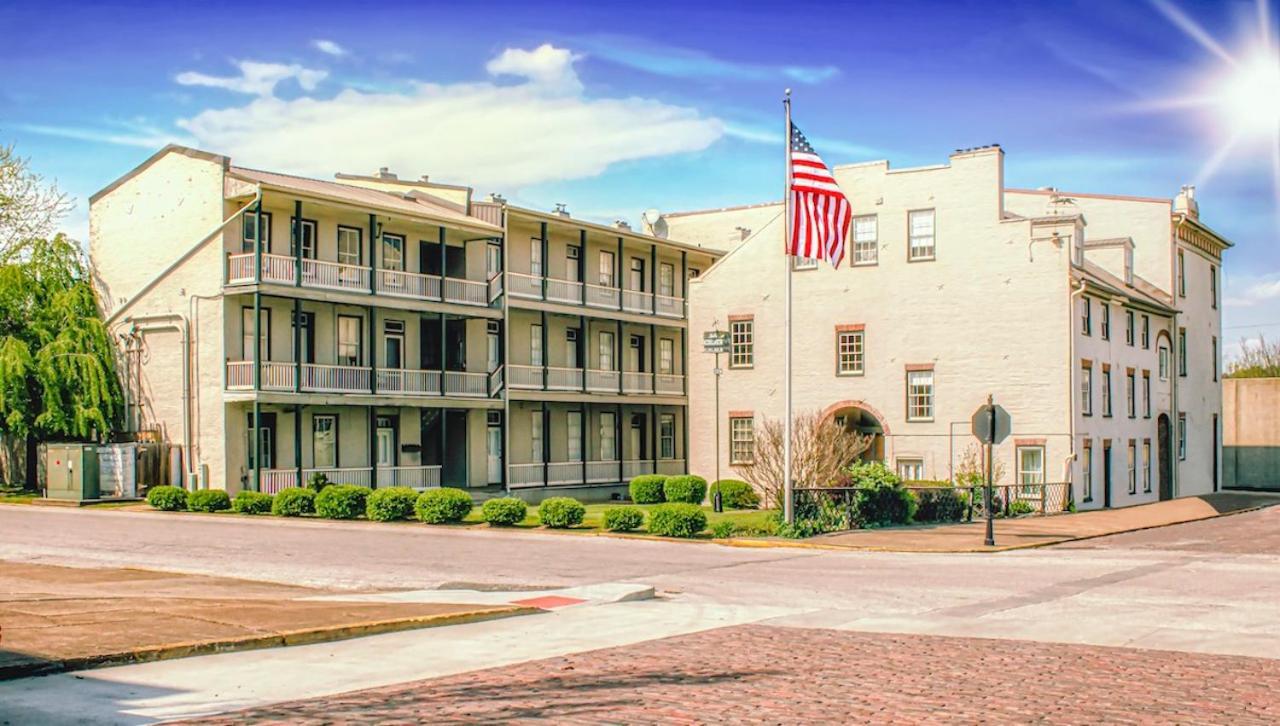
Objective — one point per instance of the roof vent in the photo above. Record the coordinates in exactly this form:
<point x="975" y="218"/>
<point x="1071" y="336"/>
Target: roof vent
<point x="1185" y="202"/>
<point x="621" y="224"/>
<point x="424" y="178"/>
<point x="743" y="232"/>
<point x="385" y="173"/>
<point x="560" y="210"/>
<point x="497" y="198"/>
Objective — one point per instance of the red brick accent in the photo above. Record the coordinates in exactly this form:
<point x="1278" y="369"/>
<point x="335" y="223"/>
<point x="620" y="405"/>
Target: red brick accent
<point x="1086" y="363"/>
<point x="1028" y="442"/>
<point x="742" y="414"/>
<point x="831" y="410"/>
<point x="851" y="328"/>
<point x="919" y="366"/>
<point x="741" y="318"/>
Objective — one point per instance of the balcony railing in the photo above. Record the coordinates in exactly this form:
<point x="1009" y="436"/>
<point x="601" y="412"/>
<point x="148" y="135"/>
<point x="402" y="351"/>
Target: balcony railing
<point x="523" y="285"/>
<point x="599" y="296"/>
<point x="570" y="473"/>
<point x="632" y="469"/>
<point x="524" y="377"/>
<point x="530" y="377"/>
<point x="602" y="381"/>
<point x="565" y="291"/>
<point x="637" y="382"/>
<point x="635" y="301"/>
<point x="669" y="383"/>
<point x="670" y="307"/>
<point x="316" y="378"/>
<point x="564" y="379"/>
<point x="325" y="275"/>
<point x="602" y="471"/>
<point x="417" y="477"/>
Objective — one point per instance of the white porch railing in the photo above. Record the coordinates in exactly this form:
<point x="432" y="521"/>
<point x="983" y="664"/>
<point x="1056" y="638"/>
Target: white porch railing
<point x="458" y="383"/>
<point x="277" y="375"/>
<point x="335" y="379"/>
<point x="568" y="473"/>
<point x="524" y="474"/>
<point x="272" y="481"/>
<point x="347" y="475"/>
<point x="402" y="380"/>
<point x="599" y="296"/>
<point x="398" y="283"/>
<point x="564" y="472"/>
<point x="526" y="377"/>
<point x="671" y="307"/>
<point x="670" y="384"/>
<point x="602" y="471"/>
<point x="523" y="285"/>
<point x="565" y="291"/>
<point x="279" y="269"/>
<point x="417" y="477"/>
<point x="671" y="466"/>
<point x="495" y="288"/>
<point x="602" y="381"/>
<point x="635" y="301"/>
<point x="636" y="467"/>
<point x="564" y="379"/>
<point x="239" y="374"/>
<point x="334" y="276"/>
<point x="466" y="292"/>
<point x="240" y="268"/>
<point x="633" y="382"/>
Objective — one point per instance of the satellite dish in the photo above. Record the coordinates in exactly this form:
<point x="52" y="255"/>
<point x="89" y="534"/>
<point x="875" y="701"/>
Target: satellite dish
<point x="654" y="221"/>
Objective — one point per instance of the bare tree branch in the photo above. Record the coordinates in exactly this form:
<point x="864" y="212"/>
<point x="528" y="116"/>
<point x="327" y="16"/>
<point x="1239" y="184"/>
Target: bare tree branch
<point x="821" y="449"/>
<point x="29" y="208"/>
<point x="1256" y="360"/>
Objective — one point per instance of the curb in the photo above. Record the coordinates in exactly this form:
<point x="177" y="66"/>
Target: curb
<point x="276" y="640"/>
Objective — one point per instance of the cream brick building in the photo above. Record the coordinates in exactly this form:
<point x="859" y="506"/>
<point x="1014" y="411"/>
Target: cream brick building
<point x="1093" y="319"/>
<point x="384" y="331"/>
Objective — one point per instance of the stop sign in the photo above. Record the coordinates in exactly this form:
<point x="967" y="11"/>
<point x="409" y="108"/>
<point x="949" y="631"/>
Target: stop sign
<point x="991" y="424"/>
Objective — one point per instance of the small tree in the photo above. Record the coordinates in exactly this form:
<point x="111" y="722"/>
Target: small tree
<point x="820" y="450"/>
<point x="1256" y="360"/>
<point x="972" y="470"/>
<point x="29" y="207"/>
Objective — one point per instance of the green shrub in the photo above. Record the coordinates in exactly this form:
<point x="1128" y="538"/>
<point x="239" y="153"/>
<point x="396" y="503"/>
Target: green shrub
<point x="623" y="519"/>
<point x="341" y="501"/>
<point x="687" y="488"/>
<point x="939" y="504"/>
<point x="208" y="500"/>
<point x="880" y="499"/>
<point x="247" y="502"/>
<point x="724" y="529"/>
<point x="677" y="520"/>
<point x="167" y="499"/>
<point x="1018" y="507"/>
<point x="440" y="506"/>
<point x="390" y="504"/>
<point x="317" y="481"/>
<point x="294" y="502"/>
<point x="561" y="512"/>
<point x="735" y="494"/>
<point x="647" y="488"/>
<point x="504" y="511"/>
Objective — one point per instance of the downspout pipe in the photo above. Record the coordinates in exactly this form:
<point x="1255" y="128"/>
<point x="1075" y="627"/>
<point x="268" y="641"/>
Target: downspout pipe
<point x="141" y="325"/>
<point x="1072" y="390"/>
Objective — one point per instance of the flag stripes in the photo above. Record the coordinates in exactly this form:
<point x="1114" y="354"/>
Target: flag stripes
<point x="819" y="214"/>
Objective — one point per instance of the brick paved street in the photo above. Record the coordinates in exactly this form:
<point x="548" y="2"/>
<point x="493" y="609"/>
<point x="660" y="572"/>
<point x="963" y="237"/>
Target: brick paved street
<point x="764" y="674"/>
<point x="1251" y="533"/>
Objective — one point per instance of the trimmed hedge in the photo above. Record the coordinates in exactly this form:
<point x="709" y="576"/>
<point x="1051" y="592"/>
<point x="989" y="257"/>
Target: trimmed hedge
<point x="504" y="511"/>
<point x="248" y="502"/>
<point x="561" y="512"/>
<point x="167" y="499"/>
<point x="687" y="488"/>
<point x="341" y="501"/>
<point x="735" y="494"/>
<point x="390" y="504"/>
<point x="623" y="519"/>
<point x="939" y="504"/>
<point x="440" y="506"/>
<point x="208" y="500"/>
<point x="294" y="502"/>
<point x="647" y="488"/>
<point x="677" y="520"/>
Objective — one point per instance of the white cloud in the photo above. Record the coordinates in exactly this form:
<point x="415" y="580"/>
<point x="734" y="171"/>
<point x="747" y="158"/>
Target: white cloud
<point x="675" y="62"/>
<point x="329" y="47"/>
<point x="495" y="136"/>
<point x="256" y="78"/>
<point x="145" y="140"/>
<point x="1251" y="291"/>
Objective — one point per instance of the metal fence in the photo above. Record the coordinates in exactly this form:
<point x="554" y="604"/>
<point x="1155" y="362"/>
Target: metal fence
<point x="837" y="507"/>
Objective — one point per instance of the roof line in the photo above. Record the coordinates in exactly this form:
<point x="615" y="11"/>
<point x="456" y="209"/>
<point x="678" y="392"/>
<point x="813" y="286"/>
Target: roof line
<point x="168" y="149"/>
<point x="712" y="210"/>
<point x="648" y="238"/>
<point x="1088" y="195"/>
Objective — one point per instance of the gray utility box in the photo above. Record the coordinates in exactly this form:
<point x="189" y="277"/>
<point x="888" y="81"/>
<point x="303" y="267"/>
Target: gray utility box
<point x="71" y="471"/>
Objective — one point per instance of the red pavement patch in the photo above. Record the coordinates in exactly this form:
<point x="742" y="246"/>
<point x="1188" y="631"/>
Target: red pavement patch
<point x="771" y="675"/>
<point x="547" y="602"/>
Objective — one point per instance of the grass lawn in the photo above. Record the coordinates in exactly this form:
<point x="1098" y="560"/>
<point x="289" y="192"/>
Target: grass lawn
<point x="17" y="497"/>
<point x="754" y="520"/>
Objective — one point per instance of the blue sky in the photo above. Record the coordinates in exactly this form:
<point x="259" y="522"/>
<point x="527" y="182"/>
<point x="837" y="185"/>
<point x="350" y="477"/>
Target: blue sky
<point x="612" y="107"/>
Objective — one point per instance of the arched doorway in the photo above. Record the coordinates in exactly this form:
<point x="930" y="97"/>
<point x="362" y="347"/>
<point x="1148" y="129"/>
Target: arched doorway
<point x="858" y="416"/>
<point x="1163" y="434"/>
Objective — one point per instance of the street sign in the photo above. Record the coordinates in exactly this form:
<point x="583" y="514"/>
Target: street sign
<point x="715" y="341"/>
<point x="988" y="431"/>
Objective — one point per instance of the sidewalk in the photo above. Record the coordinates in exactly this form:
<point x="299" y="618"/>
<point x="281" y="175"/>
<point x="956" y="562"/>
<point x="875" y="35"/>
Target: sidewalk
<point x="1024" y="532"/>
<point x="61" y="618"/>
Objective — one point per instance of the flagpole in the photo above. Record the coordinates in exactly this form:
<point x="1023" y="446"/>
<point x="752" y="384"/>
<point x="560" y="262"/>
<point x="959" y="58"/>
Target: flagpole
<point x="788" y="504"/>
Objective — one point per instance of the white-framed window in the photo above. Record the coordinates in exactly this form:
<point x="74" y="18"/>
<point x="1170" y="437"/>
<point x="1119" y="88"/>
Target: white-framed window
<point x="246" y="333"/>
<point x="866" y="242"/>
<point x="605" y="339"/>
<point x="393" y="252"/>
<point x="535" y="345"/>
<point x="608" y="275"/>
<point x="608" y="437"/>
<point x="1131" y="398"/>
<point x="573" y="262"/>
<point x="535" y="435"/>
<point x="921" y="243"/>
<point x="1146" y="394"/>
<point x="741" y="343"/>
<point x="1146" y="332"/>
<point x="1133" y="464"/>
<point x="249" y="231"/>
<point x="1086" y="471"/>
<point x="666" y="355"/>
<point x="667" y="436"/>
<point x="742" y="440"/>
<point x="910" y="469"/>
<point x="536" y="266"/>
<point x="1106" y="391"/>
<point x="1164" y="362"/>
<point x="1086" y="390"/>
<point x="804" y="263"/>
<point x="1130" y="328"/>
<point x="1182" y="437"/>
<point x="1086" y="316"/>
<point x="350" y="240"/>
<point x="1030" y="467"/>
<point x="324" y="441"/>
<point x="666" y="279"/>
<point x="573" y="430"/>
<point x="1146" y="466"/>
<point x="849" y="352"/>
<point x="350" y="338"/>
<point x="920" y="395"/>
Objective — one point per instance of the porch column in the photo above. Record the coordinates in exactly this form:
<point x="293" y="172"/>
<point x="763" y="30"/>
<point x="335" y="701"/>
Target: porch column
<point x="373" y="253"/>
<point x="373" y="447"/>
<point x="684" y="276"/>
<point x="546" y="444"/>
<point x="617" y="355"/>
<point x="297" y="344"/>
<point x="443" y="349"/>
<point x="653" y="434"/>
<point x="684" y="430"/>
<point x="296" y="236"/>
<point x="297" y="442"/>
<point x="373" y="349"/>
<point x="617" y="266"/>
<point x="653" y="358"/>
<point x="257" y="341"/>
<point x="585" y="439"/>
<point x="618" y="445"/>
<point x="582" y="263"/>
<point x="653" y="278"/>
<point x="257" y="239"/>
<point x="444" y="439"/>
<point x="684" y="365"/>
<point x="444" y="270"/>
<point x="543" y="341"/>
<point x="255" y="445"/>
<point x="542" y="243"/>
<point x="584" y="347"/>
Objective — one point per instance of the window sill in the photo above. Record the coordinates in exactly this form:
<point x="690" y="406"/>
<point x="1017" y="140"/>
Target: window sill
<point x="920" y="420"/>
<point x="921" y="259"/>
<point x="872" y="263"/>
<point x="849" y="374"/>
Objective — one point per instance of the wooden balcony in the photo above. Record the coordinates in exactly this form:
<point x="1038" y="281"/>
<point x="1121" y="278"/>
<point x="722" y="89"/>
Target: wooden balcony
<point x="602" y="297"/>
<point x="279" y="376"/>
<point x="550" y="378"/>
<point x="339" y="277"/>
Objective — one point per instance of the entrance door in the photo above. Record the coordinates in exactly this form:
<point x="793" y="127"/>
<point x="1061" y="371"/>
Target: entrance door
<point x="637" y="441"/>
<point x="493" y="358"/>
<point x="1162" y="453"/>
<point x="386" y="447"/>
<point x="1106" y="473"/>
<point x="266" y="441"/>
<point x="493" y="450"/>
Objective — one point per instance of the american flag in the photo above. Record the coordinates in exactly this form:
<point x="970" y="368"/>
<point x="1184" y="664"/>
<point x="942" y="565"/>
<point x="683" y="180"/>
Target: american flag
<point x="819" y="215"/>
